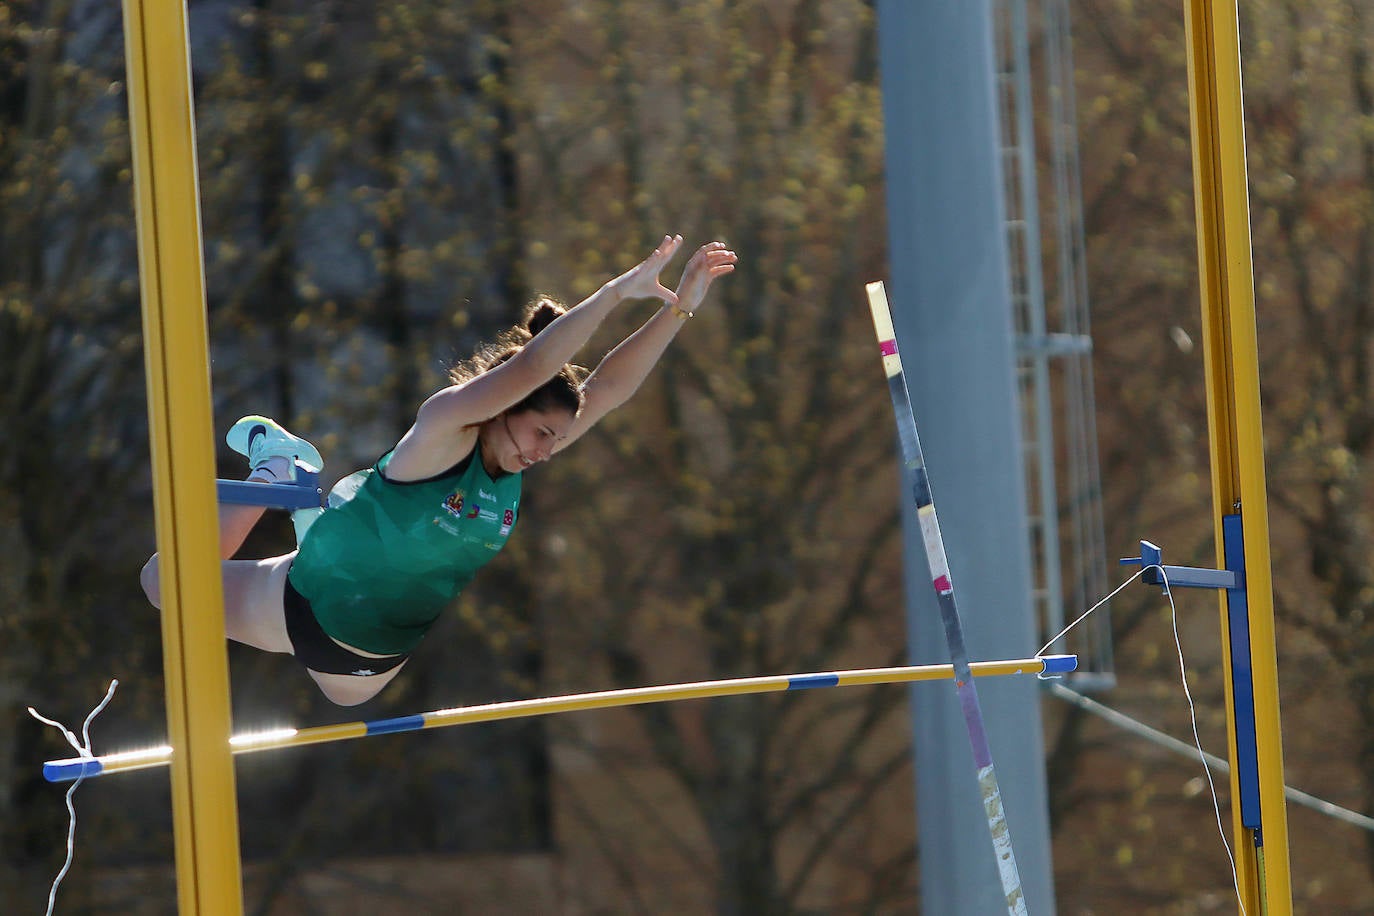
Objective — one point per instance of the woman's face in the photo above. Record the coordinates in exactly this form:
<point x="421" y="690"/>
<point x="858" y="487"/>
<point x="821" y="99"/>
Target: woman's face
<point x="522" y="439"/>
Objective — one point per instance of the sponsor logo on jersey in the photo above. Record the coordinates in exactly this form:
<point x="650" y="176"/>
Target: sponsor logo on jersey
<point x="454" y="502"/>
<point x="457" y="506"/>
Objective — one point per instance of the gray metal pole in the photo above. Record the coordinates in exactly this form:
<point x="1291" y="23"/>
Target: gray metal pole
<point x="951" y="302"/>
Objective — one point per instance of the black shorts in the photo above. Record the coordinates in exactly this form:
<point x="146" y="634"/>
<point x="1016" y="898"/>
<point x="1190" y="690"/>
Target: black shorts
<point x="317" y="651"/>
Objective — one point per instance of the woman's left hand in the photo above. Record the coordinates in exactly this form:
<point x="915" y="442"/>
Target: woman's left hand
<point x="710" y="261"/>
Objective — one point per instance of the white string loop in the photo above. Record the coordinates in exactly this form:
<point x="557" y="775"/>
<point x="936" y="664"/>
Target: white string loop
<point x="83" y="748"/>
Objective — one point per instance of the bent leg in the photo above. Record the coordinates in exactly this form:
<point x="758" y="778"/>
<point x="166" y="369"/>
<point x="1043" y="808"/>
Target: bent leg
<point x="272" y="453"/>
<point x="253" y="611"/>
<point x="255" y="615"/>
<point x="234" y="524"/>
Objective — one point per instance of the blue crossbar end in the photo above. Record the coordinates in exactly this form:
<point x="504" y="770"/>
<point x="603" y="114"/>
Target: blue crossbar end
<point x="1059" y="664"/>
<point x="66" y="771"/>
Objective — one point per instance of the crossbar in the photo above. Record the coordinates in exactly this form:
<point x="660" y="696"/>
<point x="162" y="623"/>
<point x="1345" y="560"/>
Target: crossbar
<point x="85" y="767"/>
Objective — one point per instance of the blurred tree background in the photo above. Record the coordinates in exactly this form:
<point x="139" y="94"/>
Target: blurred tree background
<point x="384" y="184"/>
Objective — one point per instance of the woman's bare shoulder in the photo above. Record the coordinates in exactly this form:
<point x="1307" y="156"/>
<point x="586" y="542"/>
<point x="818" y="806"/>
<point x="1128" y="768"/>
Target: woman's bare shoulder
<point x="425" y="451"/>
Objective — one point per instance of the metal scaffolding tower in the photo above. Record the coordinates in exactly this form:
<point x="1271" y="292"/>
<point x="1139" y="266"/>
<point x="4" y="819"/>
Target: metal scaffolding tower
<point x="1053" y="343"/>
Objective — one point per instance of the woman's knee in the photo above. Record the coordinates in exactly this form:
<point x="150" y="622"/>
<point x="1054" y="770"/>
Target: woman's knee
<point x="149" y="579"/>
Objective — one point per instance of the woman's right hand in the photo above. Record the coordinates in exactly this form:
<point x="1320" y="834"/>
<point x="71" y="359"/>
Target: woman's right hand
<point x="641" y="281"/>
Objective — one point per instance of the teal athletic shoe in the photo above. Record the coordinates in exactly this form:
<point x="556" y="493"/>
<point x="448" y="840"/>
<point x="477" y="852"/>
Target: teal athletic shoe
<point x="261" y="439"/>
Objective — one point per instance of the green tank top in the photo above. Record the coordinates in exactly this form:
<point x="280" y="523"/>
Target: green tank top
<point x="378" y="568"/>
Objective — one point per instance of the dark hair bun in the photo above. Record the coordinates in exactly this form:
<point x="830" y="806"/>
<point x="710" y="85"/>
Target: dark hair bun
<point x="541" y="313"/>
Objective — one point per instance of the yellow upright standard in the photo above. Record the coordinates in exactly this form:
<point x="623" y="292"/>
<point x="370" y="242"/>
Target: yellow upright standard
<point x="204" y="802"/>
<point x="1233" y="413"/>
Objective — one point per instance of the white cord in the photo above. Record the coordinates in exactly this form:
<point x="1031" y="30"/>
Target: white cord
<point x="1197" y="741"/>
<point x="1084" y="615"/>
<point x="1192" y="710"/>
<point x="83" y="748"/>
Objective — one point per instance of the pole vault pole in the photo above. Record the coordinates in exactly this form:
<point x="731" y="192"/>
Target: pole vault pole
<point x="944" y="590"/>
<point x="84" y="767"/>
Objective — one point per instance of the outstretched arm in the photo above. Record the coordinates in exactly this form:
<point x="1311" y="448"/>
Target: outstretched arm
<point x="539" y="360"/>
<point x="624" y="369"/>
<point x="445" y="427"/>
